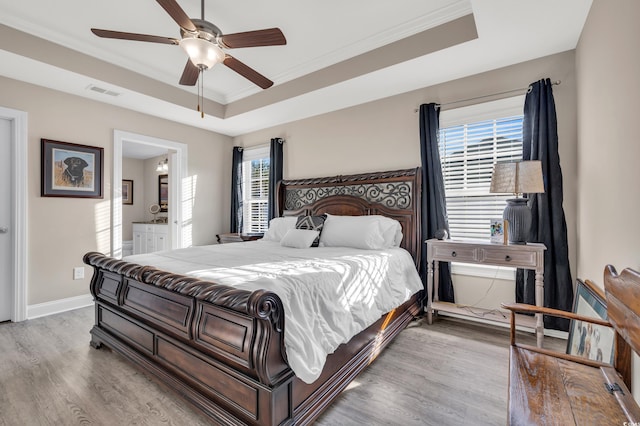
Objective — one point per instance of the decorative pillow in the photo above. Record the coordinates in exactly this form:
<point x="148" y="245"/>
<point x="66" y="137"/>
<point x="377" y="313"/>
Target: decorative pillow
<point x="352" y="231"/>
<point x="299" y="238"/>
<point x="278" y="227"/>
<point x="314" y="223"/>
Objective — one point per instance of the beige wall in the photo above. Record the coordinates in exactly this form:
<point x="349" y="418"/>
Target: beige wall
<point x="62" y="230"/>
<point x="381" y="135"/>
<point x="133" y="169"/>
<point x="384" y="135"/>
<point x="607" y="68"/>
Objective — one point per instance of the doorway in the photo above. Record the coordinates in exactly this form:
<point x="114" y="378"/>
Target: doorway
<point x="6" y="230"/>
<point x="177" y="160"/>
<point x="13" y="214"/>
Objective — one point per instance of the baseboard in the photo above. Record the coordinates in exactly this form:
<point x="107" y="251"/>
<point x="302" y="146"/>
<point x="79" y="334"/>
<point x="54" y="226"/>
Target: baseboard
<point x="58" y="306"/>
<point x="547" y="332"/>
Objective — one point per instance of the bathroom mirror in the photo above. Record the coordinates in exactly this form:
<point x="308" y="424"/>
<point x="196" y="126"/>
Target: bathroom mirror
<point x="163" y="192"/>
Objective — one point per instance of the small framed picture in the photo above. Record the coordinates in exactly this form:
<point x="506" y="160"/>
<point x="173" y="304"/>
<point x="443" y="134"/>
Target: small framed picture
<point x="127" y="191"/>
<point x="497" y="231"/>
<point x="70" y="170"/>
<point x="588" y="340"/>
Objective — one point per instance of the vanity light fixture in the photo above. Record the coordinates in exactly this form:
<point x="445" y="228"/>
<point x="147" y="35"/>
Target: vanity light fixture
<point x="163" y="165"/>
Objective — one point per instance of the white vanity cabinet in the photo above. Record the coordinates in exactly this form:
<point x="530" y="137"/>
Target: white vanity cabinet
<point x="150" y="237"/>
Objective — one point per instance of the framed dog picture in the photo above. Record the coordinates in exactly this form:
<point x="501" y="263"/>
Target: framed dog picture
<point x="71" y="170"/>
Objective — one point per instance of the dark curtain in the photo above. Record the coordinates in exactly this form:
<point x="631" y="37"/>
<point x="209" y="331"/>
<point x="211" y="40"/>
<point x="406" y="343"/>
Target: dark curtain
<point x="548" y="224"/>
<point x="236" y="190"/>
<point x="275" y="174"/>
<point x="434" y="208"/>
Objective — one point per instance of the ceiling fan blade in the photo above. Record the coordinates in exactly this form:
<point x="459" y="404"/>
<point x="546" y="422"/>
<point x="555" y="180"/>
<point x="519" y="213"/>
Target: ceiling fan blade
<point x="190" y="74"/>
<point x="178" y="15"/>
<point x="268" y="37"/>
<point x="247" y="72"/>
<point x="133" y="36"/>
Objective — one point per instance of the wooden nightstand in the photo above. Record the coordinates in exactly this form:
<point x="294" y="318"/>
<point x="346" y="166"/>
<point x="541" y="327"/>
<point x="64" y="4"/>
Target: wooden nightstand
<point x="233" y="237"/>
<point x="525" y="256"/>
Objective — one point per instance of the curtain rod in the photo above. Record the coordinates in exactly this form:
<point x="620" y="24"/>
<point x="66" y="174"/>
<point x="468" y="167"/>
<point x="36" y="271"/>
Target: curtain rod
<point x="554" y="83"/>
<point x="262" y="145"/>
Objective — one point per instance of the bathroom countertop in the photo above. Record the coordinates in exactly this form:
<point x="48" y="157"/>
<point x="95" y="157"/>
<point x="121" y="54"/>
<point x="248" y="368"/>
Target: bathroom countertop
<point x="150" y="222"/>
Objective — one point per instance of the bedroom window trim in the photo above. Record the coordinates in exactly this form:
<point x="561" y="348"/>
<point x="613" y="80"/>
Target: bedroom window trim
<point x="255" y="190"/>
<point x="466" y="116"/>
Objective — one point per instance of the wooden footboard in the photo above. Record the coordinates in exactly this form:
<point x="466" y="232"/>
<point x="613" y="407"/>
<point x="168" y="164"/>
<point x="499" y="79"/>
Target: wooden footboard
<point x="221" y="348"/>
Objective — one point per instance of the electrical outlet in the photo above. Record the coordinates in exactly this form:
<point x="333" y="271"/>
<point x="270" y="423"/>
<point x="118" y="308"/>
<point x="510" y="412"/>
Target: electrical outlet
<point x="78" y="273"/>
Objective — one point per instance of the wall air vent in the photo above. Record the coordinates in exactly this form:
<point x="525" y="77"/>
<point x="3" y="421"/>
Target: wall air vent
<point x="103" y="91"/>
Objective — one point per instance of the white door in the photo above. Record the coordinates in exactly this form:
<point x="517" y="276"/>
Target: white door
<point x="6" y="259"/>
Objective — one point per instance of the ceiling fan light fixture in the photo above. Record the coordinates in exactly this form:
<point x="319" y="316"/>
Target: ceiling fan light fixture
<point x="203" y="53"/>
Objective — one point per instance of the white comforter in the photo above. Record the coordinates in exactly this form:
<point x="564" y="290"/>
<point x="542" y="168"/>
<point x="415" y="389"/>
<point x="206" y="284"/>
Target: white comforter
<point x="329" y="294"/>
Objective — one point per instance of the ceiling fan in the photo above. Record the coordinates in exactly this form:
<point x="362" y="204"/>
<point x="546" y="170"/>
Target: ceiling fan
<point x="204" y="43"/>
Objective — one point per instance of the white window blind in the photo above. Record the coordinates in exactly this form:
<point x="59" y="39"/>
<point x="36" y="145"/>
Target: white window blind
<point x="255" y="186"/>
<point x="472" y="140"/>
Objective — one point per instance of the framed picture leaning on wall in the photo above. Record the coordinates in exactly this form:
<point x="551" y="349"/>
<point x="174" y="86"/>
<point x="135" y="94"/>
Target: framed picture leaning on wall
<point x="70" y="170"/>
<point x="589" y="340"/>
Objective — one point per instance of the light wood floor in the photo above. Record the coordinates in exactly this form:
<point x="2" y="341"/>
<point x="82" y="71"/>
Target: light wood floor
<point x="451" y="373"/>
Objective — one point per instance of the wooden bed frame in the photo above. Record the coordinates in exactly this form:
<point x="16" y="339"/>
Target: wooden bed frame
<point x="221" y="348"/>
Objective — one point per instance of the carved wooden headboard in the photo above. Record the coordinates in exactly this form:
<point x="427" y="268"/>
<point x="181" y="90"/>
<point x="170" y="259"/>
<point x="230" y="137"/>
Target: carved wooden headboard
<point x="394" y="194"/>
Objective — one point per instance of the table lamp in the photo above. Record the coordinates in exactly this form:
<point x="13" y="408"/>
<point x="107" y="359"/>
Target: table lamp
<point x="518" y="177"/>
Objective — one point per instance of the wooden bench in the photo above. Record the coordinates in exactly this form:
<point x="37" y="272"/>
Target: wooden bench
<point x="552" y="388"/>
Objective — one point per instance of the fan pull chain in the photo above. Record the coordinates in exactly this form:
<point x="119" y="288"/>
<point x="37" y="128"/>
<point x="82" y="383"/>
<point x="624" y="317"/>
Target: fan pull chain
<point x="198" y="85"/>
<point x="202" y="92"/>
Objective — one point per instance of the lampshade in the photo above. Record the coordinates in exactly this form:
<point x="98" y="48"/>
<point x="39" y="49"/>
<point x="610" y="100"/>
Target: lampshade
<point x="517" y="178"/>
<point x="202" y="53"/>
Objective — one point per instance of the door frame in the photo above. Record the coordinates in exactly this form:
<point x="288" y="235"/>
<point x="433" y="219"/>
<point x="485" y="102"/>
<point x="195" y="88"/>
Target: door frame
<point x="18" y="221"/>
<point x="178" y="173"/>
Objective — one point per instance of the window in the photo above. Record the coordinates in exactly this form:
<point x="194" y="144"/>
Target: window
<point x="471" y="140"/>
<point x="255" y="187"/>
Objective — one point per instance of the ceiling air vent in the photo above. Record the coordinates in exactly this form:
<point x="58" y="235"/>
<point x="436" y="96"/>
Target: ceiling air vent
<point x="103" y="91"/>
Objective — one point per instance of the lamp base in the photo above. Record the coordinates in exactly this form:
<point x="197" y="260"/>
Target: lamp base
<point x="518" y="215"/>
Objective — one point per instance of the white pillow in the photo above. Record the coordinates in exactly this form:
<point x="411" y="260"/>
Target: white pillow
<point x="351" y="231"/>
<point x="299" y="238"/>
<point x="278" y="227"/>
<point x="391" y="231"/>
<point x="366" y="232"/>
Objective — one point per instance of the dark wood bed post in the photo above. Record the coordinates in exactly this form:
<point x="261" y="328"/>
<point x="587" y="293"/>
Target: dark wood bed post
<point x="221" y="348"/>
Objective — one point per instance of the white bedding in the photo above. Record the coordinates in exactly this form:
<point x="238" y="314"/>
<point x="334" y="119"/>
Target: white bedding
<point x="329" y="294"/>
